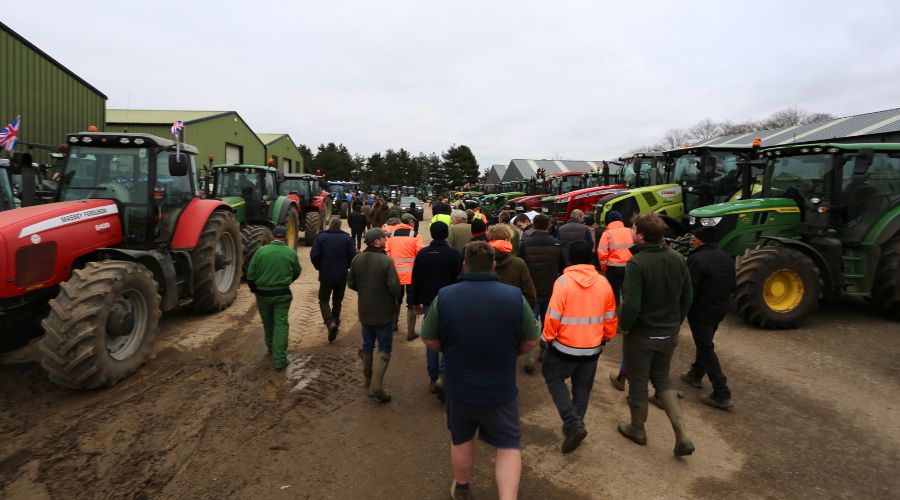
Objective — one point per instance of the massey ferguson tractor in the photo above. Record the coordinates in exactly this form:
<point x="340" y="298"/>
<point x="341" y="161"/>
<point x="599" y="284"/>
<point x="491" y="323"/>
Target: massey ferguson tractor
<point x="315" y="203"/>
<point x="252" y="192"/>
<point x="128" y="239"/>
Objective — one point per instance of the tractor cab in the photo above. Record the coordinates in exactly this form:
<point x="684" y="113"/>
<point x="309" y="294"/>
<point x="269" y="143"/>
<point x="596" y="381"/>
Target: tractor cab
<point x="7" y="200"/>
<point x="304" y="186"/>
<point x="150" y="184"/>
<point x="641" y="169"/>
<point x="249" y="189"/>
<point x="710" y="174"/>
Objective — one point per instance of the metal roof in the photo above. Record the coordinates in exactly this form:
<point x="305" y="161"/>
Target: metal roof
<point x="526" y="169"/>
<point x="159" y="116"/>
<point x="270" y="138"/>
<point x="495" y="174"/>
<point x="878" y="122"/>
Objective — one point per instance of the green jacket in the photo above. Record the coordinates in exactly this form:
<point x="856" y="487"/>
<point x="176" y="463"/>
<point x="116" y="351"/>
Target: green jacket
<point x="513" y="271"/>
<point x="374" y="277"/>
<point x="273" y="268"/>
<point x="657" y="292"/>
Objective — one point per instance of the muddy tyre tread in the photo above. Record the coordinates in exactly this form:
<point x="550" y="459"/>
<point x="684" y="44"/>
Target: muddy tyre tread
<point x="292" y="215"/>
<point x="311" y="225"/>
<point x="752" y="269"/>
<point x="207" y="298"/>
<point x="73" y="356"/>
<point x="251" y="241"/>
<point x="886" y="289"/>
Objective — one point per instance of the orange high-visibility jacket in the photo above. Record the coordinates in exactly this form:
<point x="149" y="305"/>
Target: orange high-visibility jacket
<point x="581" y="313"/>
<point x="479" y="215"/>
<point x="614" y="247"/>
<point x="402" y="246"/>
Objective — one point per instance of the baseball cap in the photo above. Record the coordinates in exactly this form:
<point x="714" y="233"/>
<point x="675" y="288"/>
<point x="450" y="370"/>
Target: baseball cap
<point x="374" y="234"/>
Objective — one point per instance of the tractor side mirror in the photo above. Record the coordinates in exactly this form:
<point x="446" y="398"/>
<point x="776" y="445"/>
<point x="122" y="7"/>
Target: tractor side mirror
<point x="636" y="167"/>
<point x="863" y="161"/>
<point x="178" y="165"/>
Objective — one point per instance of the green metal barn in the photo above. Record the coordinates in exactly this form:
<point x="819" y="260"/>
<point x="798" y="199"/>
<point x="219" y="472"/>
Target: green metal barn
<point x="222" y="135"/>
<point x="52" y="100"/>
<point x="283" y="151"/>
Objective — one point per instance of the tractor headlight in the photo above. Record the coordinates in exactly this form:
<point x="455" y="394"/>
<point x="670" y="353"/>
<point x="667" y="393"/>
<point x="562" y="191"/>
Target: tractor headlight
<point x="138" y="141"/>
<point x="86" y="140"/>
<point x="709" y="221"/>
<point x="73" y="139"/>
<point x="124" y="140"/>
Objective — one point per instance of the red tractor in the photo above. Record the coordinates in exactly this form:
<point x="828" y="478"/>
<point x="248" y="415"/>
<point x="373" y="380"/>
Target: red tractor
<point x="128" y="239"/>
<point x="552" y="185"/>
<point x="315" y="203"/>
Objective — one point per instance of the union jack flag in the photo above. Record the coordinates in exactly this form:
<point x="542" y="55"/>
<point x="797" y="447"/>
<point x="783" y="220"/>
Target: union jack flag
<point x="9" y="135"/>
<point x="177" y="127"/>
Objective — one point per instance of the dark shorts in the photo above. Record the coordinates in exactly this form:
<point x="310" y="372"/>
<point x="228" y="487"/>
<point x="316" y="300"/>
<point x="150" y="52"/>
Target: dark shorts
<point x="497" y="426"/>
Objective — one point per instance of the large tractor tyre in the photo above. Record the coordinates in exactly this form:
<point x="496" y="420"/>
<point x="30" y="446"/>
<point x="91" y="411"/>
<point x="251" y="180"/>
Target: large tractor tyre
<point x="886" y="289"/>
<point x="345" y="209"/>
<point x="101" y="325"/>
<point x="327" y="213"/>
<point x="311" y="226"/>
<point x="777" y="287"/>
<point x="292" y="224"/>
<point x="216" y="262"/>
<point x="252" y="238"/>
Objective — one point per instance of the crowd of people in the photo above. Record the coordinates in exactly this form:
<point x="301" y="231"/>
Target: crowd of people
<point x="494" y="289"/>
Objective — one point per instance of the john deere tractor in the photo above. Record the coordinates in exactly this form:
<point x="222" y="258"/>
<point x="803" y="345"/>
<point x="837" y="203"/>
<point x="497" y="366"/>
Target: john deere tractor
<point x="128" y="239"/>
<point x="314" y="202"/>
<point x="252" y="192"/>
<point x="827" y="224"/>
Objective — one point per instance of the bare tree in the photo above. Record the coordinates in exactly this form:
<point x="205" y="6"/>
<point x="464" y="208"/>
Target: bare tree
<point x="674" y="138"/>
<point x="731" y="128"/>
<point x="705" y="129"/>
<point x="817" y="117"/>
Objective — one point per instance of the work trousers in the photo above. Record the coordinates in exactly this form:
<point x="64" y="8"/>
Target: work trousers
<point x="274" y="314"/>
<point x="540" y="311"/>
<point x="357" y="237"/>
<point x="647" y="358"/>
<point x="382" y="334"/>
<point x="405" y="289"/>
<point x="334" y="292"/>
<point x="556" y="368"/>
<point x="706" y="361"/>
<point x="616" y="276"/>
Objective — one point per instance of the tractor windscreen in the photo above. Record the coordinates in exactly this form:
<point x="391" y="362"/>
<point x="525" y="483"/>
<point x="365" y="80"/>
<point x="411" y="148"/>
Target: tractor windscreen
<point x="6" y="196"/>
<point x="237" y="182"/>
<point x="299" y="186"/>
<point x="804" y="175"/>
<point x="338" y="188"/>
<point x="114" y="173"/>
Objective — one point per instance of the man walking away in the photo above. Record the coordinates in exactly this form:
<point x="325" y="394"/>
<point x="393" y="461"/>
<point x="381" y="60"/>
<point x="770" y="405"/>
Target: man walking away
<point x="460" y="231"/>
<point x="331" y="254"/>
<point x="573" y="230"/>
<point x="479" y="230"/>
<point x="582" y="319"/>
<point x="712" y="273"/>
<point x="375" y="280"/>
<point x="436" y="266"/>
<point x="481" y="326"/>
<point x="271" y="271"/>
<point x="357" y="222"/>
<point x="510" y="269"/>
<point x="613" y="252"/>
<point x="656" y="296"/>
<point x="542" y="254"/>
<point x="402" y="246"/>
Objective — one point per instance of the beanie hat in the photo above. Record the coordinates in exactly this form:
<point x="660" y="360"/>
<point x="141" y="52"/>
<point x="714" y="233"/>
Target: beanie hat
<point x="613" y="216"/>
<point x="439" y="231"/>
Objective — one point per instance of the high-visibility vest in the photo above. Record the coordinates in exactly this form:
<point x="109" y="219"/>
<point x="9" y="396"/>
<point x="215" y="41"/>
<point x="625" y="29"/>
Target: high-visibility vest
<point x="442" y="218"/>
<point x="479" y="215"/>
<point x="579" y="318"/>
<point x="402" y="246"/>
<point x="614" y="247"/>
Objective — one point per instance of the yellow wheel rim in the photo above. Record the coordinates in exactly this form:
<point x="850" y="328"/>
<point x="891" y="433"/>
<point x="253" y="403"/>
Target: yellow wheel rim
<point x="783" y="290"/>
<point x="292" y="233"/>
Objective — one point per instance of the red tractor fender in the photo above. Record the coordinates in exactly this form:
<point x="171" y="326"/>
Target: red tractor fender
<point x="320" y="199"/>
<point x="192" y="220"/>
<point x="295" y="199"/>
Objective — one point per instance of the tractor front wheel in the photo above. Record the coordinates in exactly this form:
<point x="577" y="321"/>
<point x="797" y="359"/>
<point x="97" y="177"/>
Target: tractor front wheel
<point x="216" y="263"/>
<point x="292" y="224"/>
<point x="886" y="289"/>
<point x="312" y="223"/>
<point x="777" y="287"/>
<point x="101" y="326"/>
<point x="252" y="237"/>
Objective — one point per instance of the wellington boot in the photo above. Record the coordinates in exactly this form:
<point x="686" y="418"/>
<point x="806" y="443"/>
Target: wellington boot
<point x="411" y="326"/>
<point x="376" y="389"/>
<point x="635" y="430"/>
<point x="617" y="379"/>
<point x="366" y="358"/>
<point x="683" y="444"/>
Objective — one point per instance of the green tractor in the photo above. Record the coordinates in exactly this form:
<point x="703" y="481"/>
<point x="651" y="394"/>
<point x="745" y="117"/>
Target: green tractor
<point x="643" y="195"/>
<point x="828" y="224"/>
<point x="251" y="190"/>
<point x="315" y="204"/>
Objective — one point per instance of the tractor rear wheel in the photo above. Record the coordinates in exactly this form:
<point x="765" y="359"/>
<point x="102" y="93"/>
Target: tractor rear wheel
<point x="312" y="223"/>
<point x="292" y="224"/>
<point x="252" y="238"/>
<point x="345" y="209"/>
<point x="886" y="289"/>
<point x="101" y="326"/>
<point x="216" y="261"/>
<point x="777" y="287"/>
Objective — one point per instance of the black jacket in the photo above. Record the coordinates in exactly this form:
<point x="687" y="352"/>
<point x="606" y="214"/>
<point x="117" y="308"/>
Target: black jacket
<point x="543" y="254"/>
<point x="435" y="267"/>
<point x="331" y="254"/>
<point x="357" y="221"/>
<point x="712" y="274"/>
<point x="572" y="231"/>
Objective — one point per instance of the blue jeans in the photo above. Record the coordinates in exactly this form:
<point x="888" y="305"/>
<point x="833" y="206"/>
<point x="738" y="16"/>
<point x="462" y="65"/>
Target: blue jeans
<point x="435" y="363"/>
<point x="383" y="333"/>
<point x="540" y="308"/>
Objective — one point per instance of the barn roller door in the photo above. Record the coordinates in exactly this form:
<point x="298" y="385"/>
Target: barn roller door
<point x="233" y="154"/>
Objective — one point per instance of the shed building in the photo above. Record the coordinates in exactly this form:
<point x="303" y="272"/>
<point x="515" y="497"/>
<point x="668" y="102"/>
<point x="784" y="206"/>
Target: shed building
<point x="51" y="100"/>
<point x="222" y="135"/>
<point x="283" y="151"/>
<point x="495" y="174"/>
<point x="526" y="169"/>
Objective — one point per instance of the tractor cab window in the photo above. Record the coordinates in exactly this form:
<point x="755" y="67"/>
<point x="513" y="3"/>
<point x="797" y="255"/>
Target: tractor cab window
<point x="6" y="196"/>
<point x="172" y="193"/>
<point x="722" y="181"/>
<point x="686" y="170"/>
<point x="241" y="182"/>
<point x="627" y="176"/>
<point x="867" y="197"/>
<point x="270" y="185"/>
<point x="806" y="180"/>
<point x="299" y="186"/>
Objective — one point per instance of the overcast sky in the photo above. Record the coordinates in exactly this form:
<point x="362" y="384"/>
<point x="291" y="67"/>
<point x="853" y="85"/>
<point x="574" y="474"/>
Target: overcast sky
<point x="583" y="80"/>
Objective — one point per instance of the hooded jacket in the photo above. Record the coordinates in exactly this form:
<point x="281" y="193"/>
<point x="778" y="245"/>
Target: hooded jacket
<point x="581" y="316"/>
<point x="373" y="276"/>
<point x="513" y="270"/>
<point x="613" y="248"/>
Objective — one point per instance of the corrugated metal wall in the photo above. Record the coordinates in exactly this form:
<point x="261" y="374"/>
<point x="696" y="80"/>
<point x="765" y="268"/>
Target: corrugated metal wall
<point x="285" y="148"/>
<point x="51" y="102"/>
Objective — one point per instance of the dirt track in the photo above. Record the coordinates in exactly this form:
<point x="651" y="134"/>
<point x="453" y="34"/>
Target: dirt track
<point x="817" y="415"/>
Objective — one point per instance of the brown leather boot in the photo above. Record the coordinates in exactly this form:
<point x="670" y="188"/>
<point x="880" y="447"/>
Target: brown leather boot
<point x="635" y="430"/>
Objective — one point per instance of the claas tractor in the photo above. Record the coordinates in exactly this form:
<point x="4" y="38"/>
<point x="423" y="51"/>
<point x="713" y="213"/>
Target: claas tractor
<point x="710" y="174"/>
<point x="827" y="225"/>
<point x="315" y="203"/>
<point x="251" y="190"/>
<point x="641" y="195"/>
<point x="128" y="239"/>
